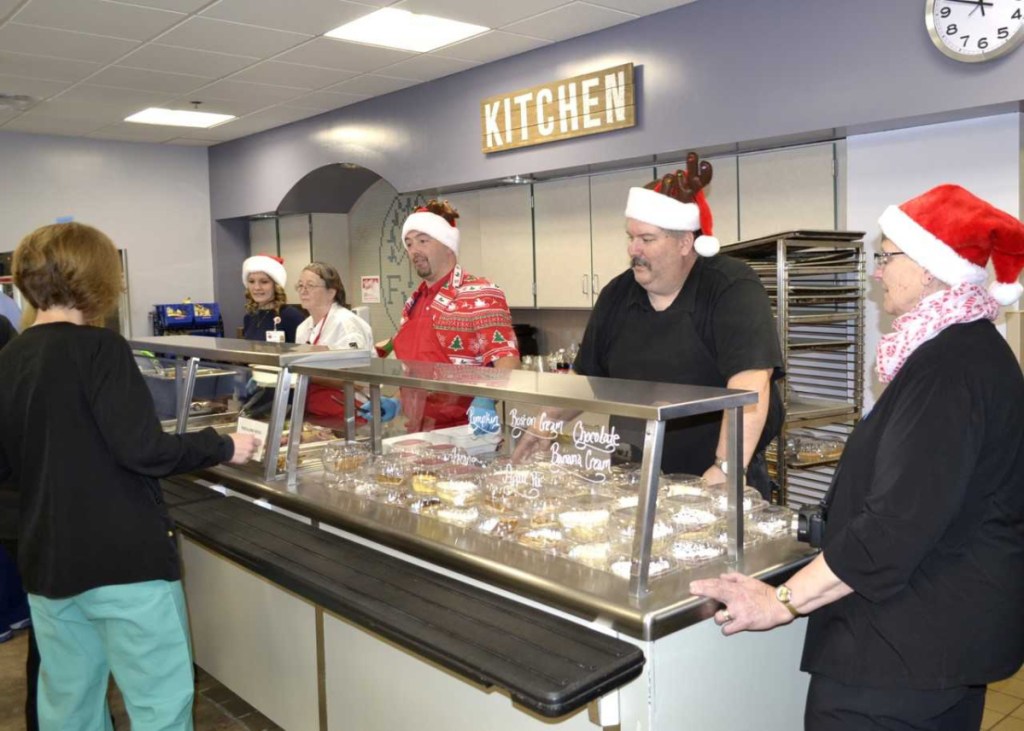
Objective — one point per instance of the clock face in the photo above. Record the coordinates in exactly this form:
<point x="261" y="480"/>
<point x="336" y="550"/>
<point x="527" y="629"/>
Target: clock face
<point x="975" y="30"/>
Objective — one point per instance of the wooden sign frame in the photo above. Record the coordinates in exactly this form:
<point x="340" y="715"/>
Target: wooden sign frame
<point x="583" y="105"/>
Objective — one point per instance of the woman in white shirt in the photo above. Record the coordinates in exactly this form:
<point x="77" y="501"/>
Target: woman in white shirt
<point x="333" y="324"/>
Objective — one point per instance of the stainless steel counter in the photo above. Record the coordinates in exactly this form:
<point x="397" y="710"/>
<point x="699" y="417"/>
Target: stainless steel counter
<point x="567" y="585"/>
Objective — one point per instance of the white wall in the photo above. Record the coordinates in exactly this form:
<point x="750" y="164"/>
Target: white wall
<point x="152" y="200"/>
<point x="888" y="168"/>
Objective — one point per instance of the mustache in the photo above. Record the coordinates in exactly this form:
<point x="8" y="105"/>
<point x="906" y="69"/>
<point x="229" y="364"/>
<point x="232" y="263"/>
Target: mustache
<point x="639" y="261"/>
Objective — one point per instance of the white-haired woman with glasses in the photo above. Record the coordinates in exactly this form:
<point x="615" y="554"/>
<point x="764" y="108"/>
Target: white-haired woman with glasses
<point x="332" y="324"/>
<point x="915" y="600"/>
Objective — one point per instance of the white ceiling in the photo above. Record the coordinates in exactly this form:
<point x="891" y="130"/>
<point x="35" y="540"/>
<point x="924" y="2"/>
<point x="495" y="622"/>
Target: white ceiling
<point x="88" y="64"/>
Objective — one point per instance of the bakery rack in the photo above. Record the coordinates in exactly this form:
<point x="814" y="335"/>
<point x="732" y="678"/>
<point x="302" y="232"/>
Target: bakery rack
<point x="815" y="280"/>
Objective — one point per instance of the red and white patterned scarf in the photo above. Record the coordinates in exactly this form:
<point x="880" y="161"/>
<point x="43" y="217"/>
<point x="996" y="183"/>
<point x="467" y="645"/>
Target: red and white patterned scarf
<point x="936" y="312"/>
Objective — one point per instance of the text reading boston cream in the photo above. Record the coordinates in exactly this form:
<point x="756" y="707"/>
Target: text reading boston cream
<point x="583" y="105"/>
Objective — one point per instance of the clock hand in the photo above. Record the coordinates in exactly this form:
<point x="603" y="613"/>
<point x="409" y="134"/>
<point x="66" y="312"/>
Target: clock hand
<point x="976" y="3"/>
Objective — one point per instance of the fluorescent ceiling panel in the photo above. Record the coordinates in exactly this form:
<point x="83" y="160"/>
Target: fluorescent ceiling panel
<point x="401" y="29"/>
<point x="178" y="118"/>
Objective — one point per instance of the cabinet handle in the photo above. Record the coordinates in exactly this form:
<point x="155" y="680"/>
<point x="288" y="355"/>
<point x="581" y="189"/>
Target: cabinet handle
<point x="593" y="286"/>
<point x="584" y="284"/>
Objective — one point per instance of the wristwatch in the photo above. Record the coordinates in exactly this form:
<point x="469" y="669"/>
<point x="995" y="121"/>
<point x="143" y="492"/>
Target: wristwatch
<point x="784" y="595"/>
<point x="722" y="465"/>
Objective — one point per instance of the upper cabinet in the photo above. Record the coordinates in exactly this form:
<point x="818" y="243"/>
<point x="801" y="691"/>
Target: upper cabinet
<point x="506" y="242"/>
<point x="608" y="194"/>
<point x="561" y="218"/>
<point x="786" y="190"/>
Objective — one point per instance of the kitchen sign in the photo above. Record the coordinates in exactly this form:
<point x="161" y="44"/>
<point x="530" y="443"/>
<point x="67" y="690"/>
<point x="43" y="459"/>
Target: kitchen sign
<point x="583" y="105"/>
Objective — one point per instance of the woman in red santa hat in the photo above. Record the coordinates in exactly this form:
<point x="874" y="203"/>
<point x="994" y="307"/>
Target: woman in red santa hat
<point x="266" y="310"/>
<point x="915" y="599"/>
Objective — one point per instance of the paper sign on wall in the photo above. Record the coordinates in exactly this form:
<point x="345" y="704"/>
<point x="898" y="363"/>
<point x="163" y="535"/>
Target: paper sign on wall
<point x="371" y="290"/>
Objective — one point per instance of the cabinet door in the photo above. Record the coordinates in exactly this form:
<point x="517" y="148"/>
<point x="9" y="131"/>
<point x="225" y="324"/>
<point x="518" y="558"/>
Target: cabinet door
<point x="468" y="206"/>
<point x="263" y="236"/>
<point x="561" y="215"/>
<point x="506" y="242"/>
<point x="721" y="195"/>
<point x="787" y="190"/>
<point x="296" y="249"/>
<point x="608" y="195"/>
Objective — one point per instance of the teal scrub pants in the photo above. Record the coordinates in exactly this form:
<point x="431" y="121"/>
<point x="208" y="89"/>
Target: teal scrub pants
<point x="138" y="632"/>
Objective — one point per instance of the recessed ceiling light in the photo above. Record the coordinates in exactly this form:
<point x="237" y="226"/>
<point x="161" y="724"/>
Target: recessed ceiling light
<point x="408" y="31"/>
<point x="179" y="118"/>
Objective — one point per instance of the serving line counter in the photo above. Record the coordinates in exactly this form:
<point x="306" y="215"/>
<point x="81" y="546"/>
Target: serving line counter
<point x="275" y="618"/>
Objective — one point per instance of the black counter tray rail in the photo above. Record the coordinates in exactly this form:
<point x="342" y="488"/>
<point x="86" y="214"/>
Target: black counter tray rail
<point x="547" y="664"/>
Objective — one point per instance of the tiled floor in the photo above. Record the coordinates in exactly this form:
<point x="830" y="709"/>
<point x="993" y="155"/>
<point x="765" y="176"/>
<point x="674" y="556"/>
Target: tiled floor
<point x="1004" y="705"/>
<point x="216" y="707"/>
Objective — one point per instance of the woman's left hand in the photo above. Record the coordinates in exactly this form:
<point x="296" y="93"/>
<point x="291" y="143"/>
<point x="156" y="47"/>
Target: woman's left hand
<point x="749" y="604"/>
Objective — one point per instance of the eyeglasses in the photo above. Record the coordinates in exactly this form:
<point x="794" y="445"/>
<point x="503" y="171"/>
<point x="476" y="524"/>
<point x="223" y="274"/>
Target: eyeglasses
<point x="300" y="287"/>
<point x="882" y="258"/>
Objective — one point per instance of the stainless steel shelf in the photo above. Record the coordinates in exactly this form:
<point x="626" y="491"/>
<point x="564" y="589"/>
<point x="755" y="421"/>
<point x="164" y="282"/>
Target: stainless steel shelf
<point x="249" y="352"/>
<point x="614" y="396"/>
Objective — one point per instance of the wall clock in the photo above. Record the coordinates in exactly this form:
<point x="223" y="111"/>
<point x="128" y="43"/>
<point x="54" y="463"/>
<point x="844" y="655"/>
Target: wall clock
<point x="975" y="30"/>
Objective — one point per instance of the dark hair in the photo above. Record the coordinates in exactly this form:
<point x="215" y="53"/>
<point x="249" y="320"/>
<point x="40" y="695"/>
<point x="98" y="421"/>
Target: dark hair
<point x="69" y="265"/>
<point x="331" y="278"/>
<point x="443" y="209"/>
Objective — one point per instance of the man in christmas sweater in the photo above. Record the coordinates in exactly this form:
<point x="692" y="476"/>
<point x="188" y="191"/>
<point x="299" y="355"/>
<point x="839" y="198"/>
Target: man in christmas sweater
<point x="453" y="317"/>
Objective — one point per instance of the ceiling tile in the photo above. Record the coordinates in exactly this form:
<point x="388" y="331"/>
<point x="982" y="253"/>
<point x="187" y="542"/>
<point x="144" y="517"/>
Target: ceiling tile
<point x="44" y="67"/>
<point x="257" y="122"/>
<point x="156" y="81"/>
<point x="230" y="90"/>
<point x="181" y="6"/>
<point x="33" y="123"/>
<point x="36" y="88"/>
<point x="314" y="17"/>
<point x="324" y="101"/>
<point x="224" y="37"/>
<point x="489" y="14"/>
<point x="131" y="132"/>
<point x="292" y="74"/>
<point x="7" y="7"/>
<point x="100" y="113"/>
<point x="490" y="47"/>
<point x="217" y="106"/>
<point x="572" y="20"/>
<point x="427" y="67"/>
<point x="62" y="44"/>
<point x="640" y="7"/>
<point x="186" y="142"/>
<point x="210" y="65"/>
<point x="95" y="94"/>
<point x="372" y="85"/>
<point x="99" y="17"/>
<point x="335" y="54"/>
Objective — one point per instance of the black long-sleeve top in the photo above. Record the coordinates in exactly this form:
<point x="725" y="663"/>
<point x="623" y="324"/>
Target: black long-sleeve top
<point x="927" y="525"/>
<point x="81" y="440"/>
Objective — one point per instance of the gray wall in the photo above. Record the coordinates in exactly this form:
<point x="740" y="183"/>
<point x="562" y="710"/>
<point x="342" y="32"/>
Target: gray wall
<point x="152" y="200"/>
<point x="714" y="75"/>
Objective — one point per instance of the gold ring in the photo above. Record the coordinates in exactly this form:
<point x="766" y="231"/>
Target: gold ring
<point x="726" y="617"/>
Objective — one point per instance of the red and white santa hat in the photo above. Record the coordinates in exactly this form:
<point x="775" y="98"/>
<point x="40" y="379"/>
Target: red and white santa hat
<point x="272" y="266"/>
<point x="434" y="226"/>
<point x="661" y="209"/>
<point x="953" y="234"/>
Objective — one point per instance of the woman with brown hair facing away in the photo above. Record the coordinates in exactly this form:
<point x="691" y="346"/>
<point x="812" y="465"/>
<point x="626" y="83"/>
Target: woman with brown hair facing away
<point x="81" y="440"/>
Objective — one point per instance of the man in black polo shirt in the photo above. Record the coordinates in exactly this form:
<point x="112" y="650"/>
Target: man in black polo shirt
<point x="681" y="314"/>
